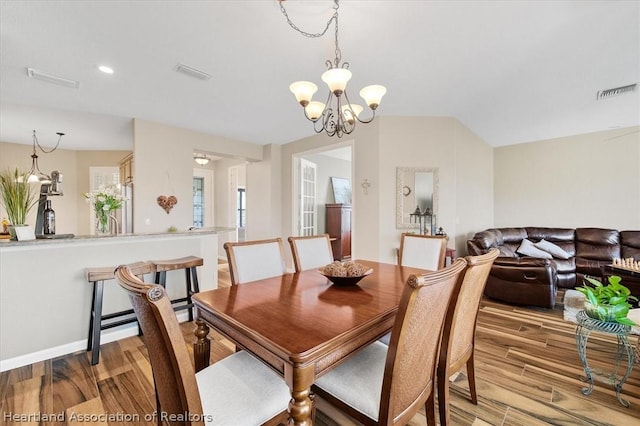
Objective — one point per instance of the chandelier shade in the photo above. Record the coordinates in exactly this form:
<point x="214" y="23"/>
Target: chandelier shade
<point x="201" y="159"/>
<point x="303" y="91"/>
<point x="338" y="116"/>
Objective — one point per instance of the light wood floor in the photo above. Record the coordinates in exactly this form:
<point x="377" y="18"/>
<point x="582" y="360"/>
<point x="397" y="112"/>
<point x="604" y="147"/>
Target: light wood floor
<point x="527" y="370"/>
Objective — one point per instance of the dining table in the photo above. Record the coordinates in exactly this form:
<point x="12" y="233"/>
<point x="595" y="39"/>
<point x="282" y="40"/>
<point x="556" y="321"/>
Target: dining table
<point x="301" y="324"/>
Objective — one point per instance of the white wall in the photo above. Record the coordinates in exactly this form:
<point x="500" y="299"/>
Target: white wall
<point x="590" y="180"/>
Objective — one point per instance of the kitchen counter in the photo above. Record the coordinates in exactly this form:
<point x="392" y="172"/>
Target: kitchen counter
<point x="46" y="301"/>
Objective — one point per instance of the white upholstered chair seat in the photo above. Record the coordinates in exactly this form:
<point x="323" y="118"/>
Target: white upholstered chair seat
<point x="358" y="380"/>
<point x="241" y="390"/>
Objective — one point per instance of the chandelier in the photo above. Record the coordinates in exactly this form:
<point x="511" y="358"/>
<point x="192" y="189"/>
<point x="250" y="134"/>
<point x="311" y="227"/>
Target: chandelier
<point x="338" y="116"/>
<point x="201" y="159"/>
<point x="35" y="175"/>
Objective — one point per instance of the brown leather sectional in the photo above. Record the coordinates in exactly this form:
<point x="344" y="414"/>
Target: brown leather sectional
<point x="533" y="281"/>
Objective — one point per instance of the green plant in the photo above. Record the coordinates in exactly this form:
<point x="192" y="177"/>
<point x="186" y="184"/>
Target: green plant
<point x="609" y="300"/>
<point x="18" y="196"/>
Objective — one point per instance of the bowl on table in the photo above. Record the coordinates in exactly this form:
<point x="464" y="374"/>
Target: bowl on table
<point x="345" y="274"/>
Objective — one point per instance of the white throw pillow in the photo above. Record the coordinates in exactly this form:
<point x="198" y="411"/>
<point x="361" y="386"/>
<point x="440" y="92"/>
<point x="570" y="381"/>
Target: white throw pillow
<point x="528" y="249"/>
<point x="552" y="249"/>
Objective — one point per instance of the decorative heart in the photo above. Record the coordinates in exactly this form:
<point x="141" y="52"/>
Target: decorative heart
<point x="167" y="203"/>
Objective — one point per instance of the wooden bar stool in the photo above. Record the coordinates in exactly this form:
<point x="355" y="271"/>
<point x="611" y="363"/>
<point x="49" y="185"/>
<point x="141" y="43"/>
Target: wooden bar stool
<point x="189" y="264"/>
<point x="96" y="277"/>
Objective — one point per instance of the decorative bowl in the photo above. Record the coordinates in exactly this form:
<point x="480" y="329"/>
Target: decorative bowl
<point x="346" y="281"/>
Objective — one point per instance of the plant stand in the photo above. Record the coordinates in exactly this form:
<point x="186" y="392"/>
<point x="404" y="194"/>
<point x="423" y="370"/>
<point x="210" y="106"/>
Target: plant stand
<point x="586" y="325"/>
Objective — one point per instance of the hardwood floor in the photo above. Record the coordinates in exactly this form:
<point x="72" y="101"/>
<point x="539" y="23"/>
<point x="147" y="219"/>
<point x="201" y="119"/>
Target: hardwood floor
<point x="527" y="370"/>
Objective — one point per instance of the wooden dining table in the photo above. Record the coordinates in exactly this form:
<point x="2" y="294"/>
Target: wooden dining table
<point x="301" y="324"/>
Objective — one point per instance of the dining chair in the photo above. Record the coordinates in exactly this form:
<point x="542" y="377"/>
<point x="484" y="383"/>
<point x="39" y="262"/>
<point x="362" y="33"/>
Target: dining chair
<point x="422" y="251"/>
<point x="311" y="252"/>
<point x="458" y="339"/>
<point x="255" y="260"/>
<point x="387" y="385"/>
<point x="239" y="389"/>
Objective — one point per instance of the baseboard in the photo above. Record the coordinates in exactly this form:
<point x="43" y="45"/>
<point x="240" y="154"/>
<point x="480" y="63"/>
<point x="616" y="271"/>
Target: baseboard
<point x="117" y="333"/>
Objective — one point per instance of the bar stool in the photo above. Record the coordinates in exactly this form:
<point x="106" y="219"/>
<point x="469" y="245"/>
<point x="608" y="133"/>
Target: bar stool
<point x="96" y="277"/>
<point x="189" y="264"/>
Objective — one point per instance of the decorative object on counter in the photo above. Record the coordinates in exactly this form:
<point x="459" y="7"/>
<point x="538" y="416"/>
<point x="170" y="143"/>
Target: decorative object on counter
<point x="35" y="175"/>
<point x="5" y="226"/>
<point x="106" y="201"/>
<point x="167" y="203"/>
<point x="610" y="302"/>
<point x="49" y="219"/>
<point x="172" y="229"/>
<point x="338" y="117"/>
<point x="18" y="197"/>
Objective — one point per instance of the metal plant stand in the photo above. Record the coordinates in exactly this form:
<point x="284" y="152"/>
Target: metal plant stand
<point x="586" y="325"/>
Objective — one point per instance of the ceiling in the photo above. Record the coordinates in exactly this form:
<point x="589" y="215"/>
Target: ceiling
<point x="511" y="71"/>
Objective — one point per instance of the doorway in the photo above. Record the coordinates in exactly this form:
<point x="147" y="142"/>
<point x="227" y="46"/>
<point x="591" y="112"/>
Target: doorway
<point x="326" y="163"/>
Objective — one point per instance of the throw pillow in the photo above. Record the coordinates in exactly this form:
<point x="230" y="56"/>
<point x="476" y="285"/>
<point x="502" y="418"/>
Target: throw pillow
<point x="552" y="249"/>
<point x="528" y="249"/>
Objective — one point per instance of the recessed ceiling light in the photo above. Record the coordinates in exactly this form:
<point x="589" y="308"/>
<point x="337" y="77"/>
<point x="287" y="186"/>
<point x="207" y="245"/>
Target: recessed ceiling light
<point x="105" y="69"/>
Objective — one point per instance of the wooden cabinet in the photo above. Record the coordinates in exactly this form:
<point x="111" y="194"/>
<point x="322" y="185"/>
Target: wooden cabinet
<point x="338" y="226"/>
<point x="126" y="169"/>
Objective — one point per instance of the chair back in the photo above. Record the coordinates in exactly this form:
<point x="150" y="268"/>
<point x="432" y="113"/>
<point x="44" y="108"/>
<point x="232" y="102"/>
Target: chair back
<point x="460" y="324"/>
<point x="411" y="363"/>
<point x="422" y="251"/>
<point x="255" y="260"/>
<point x="173" y="371"/>
<point x="311" y="251"/>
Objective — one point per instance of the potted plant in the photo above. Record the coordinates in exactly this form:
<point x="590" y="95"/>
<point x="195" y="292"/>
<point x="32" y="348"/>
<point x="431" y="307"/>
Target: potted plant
<point x="18" y="197"/>
<point x="608" y="302"/>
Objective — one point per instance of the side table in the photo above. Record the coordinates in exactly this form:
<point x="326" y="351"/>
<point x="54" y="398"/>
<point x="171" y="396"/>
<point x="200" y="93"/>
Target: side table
<point x="586" y="325"/>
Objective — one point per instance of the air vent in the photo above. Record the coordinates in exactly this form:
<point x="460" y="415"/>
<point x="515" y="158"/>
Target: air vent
<point x="54" y="79"/>
<point x="616" y="91"/>
<point x="192" y="72"/>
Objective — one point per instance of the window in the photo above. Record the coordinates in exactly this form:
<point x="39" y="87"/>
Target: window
<point x="241" y="219"/>
<point x="198" y="202"/>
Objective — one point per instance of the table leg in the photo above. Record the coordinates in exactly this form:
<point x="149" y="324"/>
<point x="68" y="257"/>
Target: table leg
<point x="623" y="346"/>
<point x="582" y="336"/>
<point x="301" y="406"/>
<point x="202" y="345"/>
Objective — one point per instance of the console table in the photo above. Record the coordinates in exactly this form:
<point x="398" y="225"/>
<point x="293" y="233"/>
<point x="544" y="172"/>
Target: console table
<point x="586" y="325"/>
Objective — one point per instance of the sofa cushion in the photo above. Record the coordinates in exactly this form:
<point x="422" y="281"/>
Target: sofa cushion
<point x="528" y="249"/>
<point x="630" y="244"/>
<point x="485" y="239"/>
<point x="597" y="244"/>
<point x="552" y="249"/>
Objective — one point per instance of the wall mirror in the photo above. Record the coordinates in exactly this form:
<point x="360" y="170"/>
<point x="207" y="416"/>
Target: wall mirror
<point x="415" y="187"/>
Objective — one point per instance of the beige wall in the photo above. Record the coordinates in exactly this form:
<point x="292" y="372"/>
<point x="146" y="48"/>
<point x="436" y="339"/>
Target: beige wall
<point x="590" y="180"/>
<point x="72" y="212"/>
<point x="464" y="163"/>
<point x="163" y="162"/>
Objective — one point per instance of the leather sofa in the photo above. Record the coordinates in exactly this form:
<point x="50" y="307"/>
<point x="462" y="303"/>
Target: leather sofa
<point x="533" y="281"/>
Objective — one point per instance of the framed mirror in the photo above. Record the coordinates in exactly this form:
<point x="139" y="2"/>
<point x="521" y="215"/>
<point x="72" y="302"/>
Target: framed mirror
<point x="416" y="187"/>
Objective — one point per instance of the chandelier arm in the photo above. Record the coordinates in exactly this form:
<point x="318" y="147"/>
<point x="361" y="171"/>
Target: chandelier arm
<point x="304" y="33"/>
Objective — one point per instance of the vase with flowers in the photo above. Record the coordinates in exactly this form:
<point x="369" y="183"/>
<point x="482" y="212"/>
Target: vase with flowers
<point x="105" y="201"/>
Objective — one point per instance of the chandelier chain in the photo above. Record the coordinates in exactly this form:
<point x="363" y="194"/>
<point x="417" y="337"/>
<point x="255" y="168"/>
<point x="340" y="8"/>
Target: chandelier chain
<point x="312" y="35"/>
<point x="35" y="139"/>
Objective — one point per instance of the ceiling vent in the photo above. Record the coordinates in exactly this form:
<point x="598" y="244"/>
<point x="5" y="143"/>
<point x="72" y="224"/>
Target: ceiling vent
<point x="54" y="79"/>
<point x="192" y="72"/>
<point x="616" y="91"/>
